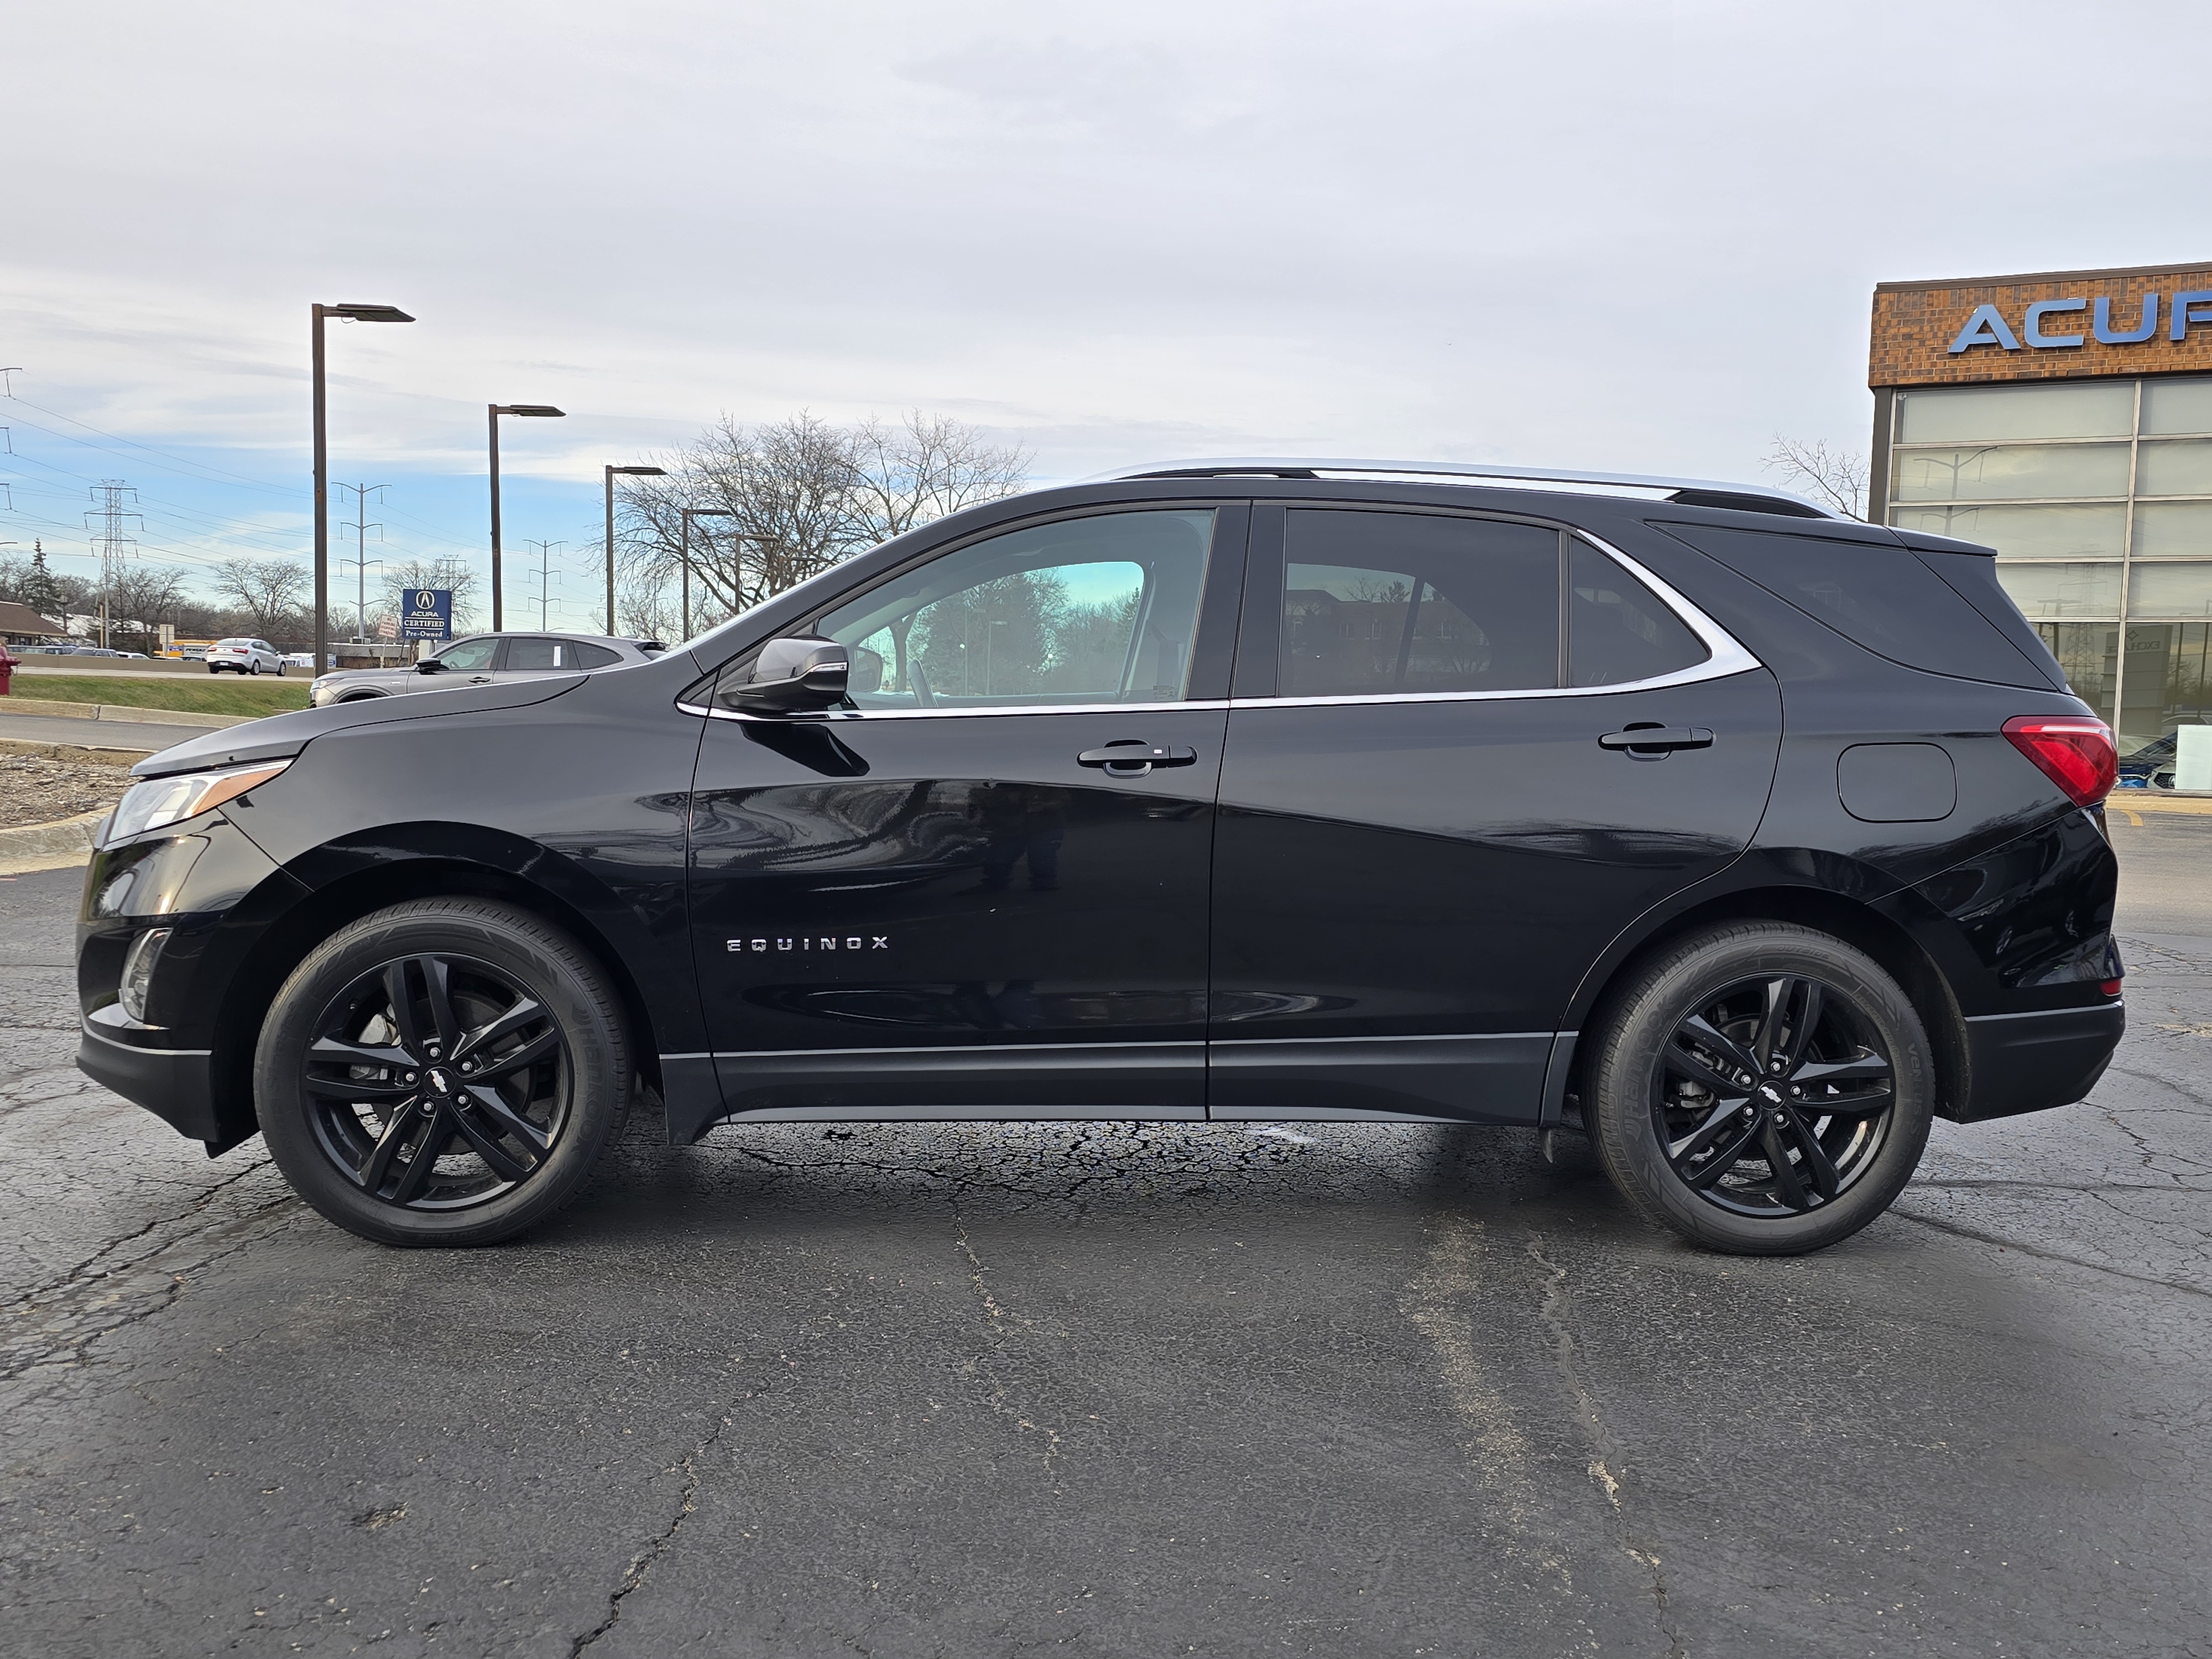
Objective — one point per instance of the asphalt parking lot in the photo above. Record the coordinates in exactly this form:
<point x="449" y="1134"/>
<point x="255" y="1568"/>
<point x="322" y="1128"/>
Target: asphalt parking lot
<point x="1100" y="1389"/>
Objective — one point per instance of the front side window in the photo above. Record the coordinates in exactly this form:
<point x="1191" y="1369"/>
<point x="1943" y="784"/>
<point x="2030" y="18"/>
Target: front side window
<point x="1092" y="610"/>
<point x="1395" y="603"/>
<point x="470" y="656"/>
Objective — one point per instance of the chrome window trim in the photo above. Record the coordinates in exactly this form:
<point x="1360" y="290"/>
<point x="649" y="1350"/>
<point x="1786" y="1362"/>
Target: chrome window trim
<point x="1728" y="658"/>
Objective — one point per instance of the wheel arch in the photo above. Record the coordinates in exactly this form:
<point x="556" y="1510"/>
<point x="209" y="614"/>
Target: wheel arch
<point x="1855" y="921"/>
<point x="330" y="904"/>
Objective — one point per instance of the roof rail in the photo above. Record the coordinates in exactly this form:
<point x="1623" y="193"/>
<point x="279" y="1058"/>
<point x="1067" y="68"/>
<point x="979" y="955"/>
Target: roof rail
<point x="1685" y="492"/>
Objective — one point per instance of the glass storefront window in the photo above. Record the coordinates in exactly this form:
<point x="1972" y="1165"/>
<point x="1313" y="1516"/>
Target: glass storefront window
<point x="2165" y="528"/>
<point x="2062" y="590"/>
<point x="2182" y="468"/>
<point x="2182" y="589"/>
<point x="2025" y="532"/>
<point x="1968" y="414"/>
<point x="2168" y="681"/>
<point x="2012" y="472"/>
<point x="2090" y="653"/>
<point x="2177" y="405"/>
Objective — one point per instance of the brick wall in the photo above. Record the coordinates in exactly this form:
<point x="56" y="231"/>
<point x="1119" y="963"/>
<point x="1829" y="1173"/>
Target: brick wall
<point x="1914" y="324"/>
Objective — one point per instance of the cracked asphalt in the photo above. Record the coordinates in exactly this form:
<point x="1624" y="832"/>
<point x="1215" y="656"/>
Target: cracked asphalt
<point x="985" y="1390"/>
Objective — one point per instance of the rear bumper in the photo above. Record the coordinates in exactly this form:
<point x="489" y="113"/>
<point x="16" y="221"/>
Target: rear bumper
<point x="2031" y="1062"/>
<point x="175" y="1085"/>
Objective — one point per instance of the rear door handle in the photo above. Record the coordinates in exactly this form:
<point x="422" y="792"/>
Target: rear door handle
<point x="1651" y="742"/>
<point x="1134" y="760"/>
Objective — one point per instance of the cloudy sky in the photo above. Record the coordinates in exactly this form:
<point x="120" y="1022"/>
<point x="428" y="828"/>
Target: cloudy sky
<point x="1633" y="235"/>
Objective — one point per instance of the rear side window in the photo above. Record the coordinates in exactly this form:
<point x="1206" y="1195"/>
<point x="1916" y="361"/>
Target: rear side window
<point x="1383" y="603"/>
<point x="1882" y="597"/>
<point x="1618" y="631"/>
<point x="525" y="654"/>
<point x="593" y="656"/>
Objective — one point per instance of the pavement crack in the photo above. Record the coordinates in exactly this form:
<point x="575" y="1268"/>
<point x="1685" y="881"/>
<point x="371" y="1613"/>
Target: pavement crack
<point x="1607" y="1462"/>
<point x="997" y="1326"/>
<point x="2012" y="1243"/>
<point x="642" y="1563"/>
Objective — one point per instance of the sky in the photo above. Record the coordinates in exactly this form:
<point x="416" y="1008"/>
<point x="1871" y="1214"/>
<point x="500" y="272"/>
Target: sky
<point x="1639" y="236"/>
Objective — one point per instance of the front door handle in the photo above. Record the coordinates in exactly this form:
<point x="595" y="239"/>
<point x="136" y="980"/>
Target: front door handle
<point x="1134" y="760"/>
<point x="1657" y="741"/>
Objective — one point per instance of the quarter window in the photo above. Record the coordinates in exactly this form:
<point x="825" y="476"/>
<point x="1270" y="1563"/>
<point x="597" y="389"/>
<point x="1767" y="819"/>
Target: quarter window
<point x="1618" y="631"/>
<point x="1395" y="603"/>
<point x="593" y="656"/>
<point x="1098" y="610"/>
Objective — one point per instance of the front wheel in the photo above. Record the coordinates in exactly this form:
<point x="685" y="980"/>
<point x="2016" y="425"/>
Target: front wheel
<point x="1761" y="1089"/>
<point x="444" y="1072"/>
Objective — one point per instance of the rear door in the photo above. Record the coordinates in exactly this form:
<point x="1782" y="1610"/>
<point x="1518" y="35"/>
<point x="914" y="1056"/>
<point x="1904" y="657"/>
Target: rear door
<point x="1435" y="812"/>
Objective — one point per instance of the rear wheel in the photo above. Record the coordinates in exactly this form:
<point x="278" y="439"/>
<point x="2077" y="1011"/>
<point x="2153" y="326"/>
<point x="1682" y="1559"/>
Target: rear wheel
<point x="253" y="667"/>
<point x="444" y="1072"/>
<point x="1762" y="1089"/>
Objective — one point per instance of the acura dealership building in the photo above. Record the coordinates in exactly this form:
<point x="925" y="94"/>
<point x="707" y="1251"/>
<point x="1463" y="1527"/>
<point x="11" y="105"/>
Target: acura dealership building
<point x="2065" y="419"/>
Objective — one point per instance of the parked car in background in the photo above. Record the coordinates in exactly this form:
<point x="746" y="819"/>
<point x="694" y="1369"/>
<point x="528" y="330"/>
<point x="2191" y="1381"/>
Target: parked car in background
<point x="485" y="660"/>
<point x="245" y="657"/>
<point x="299" y="658"/>
<point x="1744" y="838"/>
<point x="2151" y="767"/>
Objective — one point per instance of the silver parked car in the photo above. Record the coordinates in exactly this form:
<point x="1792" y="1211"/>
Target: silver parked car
<point x="245" y="657"/>
<point x="485" y="660"/>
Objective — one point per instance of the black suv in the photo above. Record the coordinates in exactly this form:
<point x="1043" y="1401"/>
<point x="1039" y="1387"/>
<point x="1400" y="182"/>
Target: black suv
<point x="1744" y="838"/>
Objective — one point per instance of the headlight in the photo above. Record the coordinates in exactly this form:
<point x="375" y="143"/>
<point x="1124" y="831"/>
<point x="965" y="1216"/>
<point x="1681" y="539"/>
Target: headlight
<point x="157" y="801"/>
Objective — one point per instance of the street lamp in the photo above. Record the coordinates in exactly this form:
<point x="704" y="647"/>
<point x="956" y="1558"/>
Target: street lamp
<point x="347" y="314"/>
<point x="627" y="472"/>
<point x="689" y="514"/>
<point x="544" y="411"/>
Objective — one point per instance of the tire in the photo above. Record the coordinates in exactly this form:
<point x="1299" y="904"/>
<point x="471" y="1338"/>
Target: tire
<point x="511" y="1153"/>
<point x="1845" y="1103"/>
<point x="212" y="669"/>
<point x="254" y="667"/>
<point x="280" y="670"/>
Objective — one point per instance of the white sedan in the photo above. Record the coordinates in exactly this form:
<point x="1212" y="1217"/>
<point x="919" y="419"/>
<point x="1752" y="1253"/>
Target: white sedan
<point x="245" y="657"/>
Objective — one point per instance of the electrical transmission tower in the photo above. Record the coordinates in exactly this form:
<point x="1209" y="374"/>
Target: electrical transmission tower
<point x="546" y="575"/>
<point x="361" y="561"/>
<point x="105" y="520"/>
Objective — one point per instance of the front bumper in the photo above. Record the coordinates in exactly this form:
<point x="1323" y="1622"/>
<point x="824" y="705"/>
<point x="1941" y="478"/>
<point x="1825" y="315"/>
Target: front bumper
<point x="175" y="1085"/>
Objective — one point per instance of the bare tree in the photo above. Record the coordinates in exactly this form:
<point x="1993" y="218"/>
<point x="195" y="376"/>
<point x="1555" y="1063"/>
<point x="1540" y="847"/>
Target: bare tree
<point x="923" y="468"/>
<point x="268" y="591"/>
<point x="777" y="503"/>
<point x="1835" y="477"/>
<point x="141" y="598"/>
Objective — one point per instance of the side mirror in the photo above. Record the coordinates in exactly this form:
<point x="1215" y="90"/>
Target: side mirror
<point x="793" y="676"/>
<point x="429" y="666"/>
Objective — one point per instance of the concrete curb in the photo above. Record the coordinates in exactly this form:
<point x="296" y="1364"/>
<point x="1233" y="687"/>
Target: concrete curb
<point x="118" y="711"/>
<point x="83" y="753"/>
<point x="54" y="846"/>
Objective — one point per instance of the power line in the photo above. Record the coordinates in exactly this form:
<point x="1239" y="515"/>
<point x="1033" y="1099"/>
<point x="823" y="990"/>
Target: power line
<point x="113" y="543"/>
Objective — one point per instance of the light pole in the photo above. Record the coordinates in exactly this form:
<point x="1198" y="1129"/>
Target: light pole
<point x="544" y="410"/>
<point x="626" y="472"/>
<point x="349" y="314"/>
<point x="689" y="514"/>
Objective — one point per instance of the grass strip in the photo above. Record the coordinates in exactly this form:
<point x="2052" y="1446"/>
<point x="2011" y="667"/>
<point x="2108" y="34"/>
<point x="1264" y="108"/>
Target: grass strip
<point x="215" y="694"/>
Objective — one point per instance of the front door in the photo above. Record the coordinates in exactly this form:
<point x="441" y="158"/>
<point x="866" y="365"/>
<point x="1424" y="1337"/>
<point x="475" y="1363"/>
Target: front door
<point x="982" y="889"/>
<point x="1434" y="813"/>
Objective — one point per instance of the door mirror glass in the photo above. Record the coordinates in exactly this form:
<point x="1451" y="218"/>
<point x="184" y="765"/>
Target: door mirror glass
<point x="1092" y="610"/>
<point x="792" y="675"/>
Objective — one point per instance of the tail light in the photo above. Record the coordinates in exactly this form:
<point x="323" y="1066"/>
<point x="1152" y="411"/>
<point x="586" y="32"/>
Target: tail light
<point x="2075" y="751"/>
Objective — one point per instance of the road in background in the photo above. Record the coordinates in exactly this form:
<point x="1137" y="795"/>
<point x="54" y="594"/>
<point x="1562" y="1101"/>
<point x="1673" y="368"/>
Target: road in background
<point x="976" y="1390"/>
<point x="149" y="735"/>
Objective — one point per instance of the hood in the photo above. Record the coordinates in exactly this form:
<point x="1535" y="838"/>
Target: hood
<point x="279" y="737"/>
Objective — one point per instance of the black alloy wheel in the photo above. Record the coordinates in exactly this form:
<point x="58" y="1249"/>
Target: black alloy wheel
<point x="1773" y="1097"/>
<point x="446" y="1071"/>
<point x="1761" y="1088"/>
<point x="437" y="1082"/>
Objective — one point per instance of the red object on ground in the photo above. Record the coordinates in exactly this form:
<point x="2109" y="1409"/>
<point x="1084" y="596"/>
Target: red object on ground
<point x="2075" y="751"/>
<point x="7" y="661"/>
